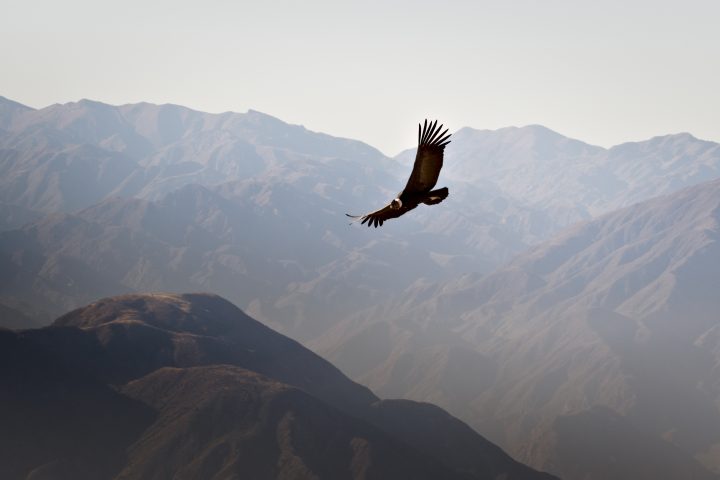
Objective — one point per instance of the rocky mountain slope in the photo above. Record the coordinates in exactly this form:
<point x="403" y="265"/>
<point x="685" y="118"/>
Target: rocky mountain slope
<point x="187" y="386"/>
<point x="603" y="339"/>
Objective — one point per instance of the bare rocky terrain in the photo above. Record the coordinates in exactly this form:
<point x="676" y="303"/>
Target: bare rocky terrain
<point x="167" y="386"/>
<point x="562" y="301"/>
<point x="611" y="323"/>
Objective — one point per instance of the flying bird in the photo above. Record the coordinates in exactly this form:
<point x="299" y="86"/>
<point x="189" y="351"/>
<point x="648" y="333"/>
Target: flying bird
<point x="424" y="176"/>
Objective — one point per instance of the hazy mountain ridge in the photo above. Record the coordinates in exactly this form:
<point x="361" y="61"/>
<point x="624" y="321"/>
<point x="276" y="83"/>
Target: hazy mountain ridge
<point x="196" y="388"/>
<point x="170" y="146"/>
<point x="290" y="188"/>
<point x="562" y="341"/>
<point x="532" y="165"/>
<point x="574" y="180"/>
<point x="276" y="189"/>
<point x="619" y="312"/>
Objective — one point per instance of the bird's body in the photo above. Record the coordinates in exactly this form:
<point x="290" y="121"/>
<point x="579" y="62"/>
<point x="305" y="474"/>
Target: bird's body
<point x="424" y="176"/>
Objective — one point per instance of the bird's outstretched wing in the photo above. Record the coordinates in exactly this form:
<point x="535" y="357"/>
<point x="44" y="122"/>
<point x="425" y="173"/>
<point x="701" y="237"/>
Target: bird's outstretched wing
<point x="378" y="217"/>
<point x="429" y="158"/>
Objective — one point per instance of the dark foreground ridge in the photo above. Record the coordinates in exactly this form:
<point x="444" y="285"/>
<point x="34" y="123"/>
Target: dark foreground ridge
<point x="163" y="386"/>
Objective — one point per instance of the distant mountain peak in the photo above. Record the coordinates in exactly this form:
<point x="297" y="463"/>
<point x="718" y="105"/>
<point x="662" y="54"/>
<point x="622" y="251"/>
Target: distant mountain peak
<point x="269" y="120"/>
<point x="260" y="114"/>
<point x="88" y="101"/>
<point x="534" y="127"/>
<point x="681" y="137"/>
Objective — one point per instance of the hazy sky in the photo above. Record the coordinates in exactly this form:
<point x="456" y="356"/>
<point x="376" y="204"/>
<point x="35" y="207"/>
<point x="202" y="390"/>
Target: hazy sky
<point x="600" y="71"/>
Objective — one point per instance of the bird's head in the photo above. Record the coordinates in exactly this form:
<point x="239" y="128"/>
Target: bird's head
<point x="396" y="204"/>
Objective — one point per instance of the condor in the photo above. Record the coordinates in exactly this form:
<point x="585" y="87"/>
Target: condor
<point x="424" y="176"/>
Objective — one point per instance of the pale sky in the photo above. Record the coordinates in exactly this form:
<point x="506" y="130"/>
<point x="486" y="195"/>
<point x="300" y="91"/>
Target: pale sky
<point x="603" y="72"/>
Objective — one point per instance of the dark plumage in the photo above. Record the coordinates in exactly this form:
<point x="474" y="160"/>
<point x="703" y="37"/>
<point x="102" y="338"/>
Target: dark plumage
<point x="424" y="176"/>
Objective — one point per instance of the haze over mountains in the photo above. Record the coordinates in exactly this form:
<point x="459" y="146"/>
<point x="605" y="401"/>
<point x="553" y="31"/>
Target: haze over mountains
<point x="261" y="219"/>
<point x="276" y="189"/>
<point x="586" y="349"/>
<point x="602" y="339"/>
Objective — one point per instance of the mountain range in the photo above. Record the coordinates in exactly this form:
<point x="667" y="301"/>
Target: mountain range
<point x="560" y="301"/>
<point x="612" y="322"/>
<point x="163" y="386"/>
<point x="267" y="201"/>
<point x="261" y="178"/>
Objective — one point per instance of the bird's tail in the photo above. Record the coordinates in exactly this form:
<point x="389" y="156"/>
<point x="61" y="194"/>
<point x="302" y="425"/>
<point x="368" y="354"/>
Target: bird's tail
<point x="436" y="196"/>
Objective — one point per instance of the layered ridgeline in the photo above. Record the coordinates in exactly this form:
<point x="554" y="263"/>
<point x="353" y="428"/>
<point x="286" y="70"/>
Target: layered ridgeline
<point x="97" y="200"/>
<point x="167" y="386"/>
<point x="143" y="197"/>
<point x="571" y="180"/>
<point x="594" y="355"/>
